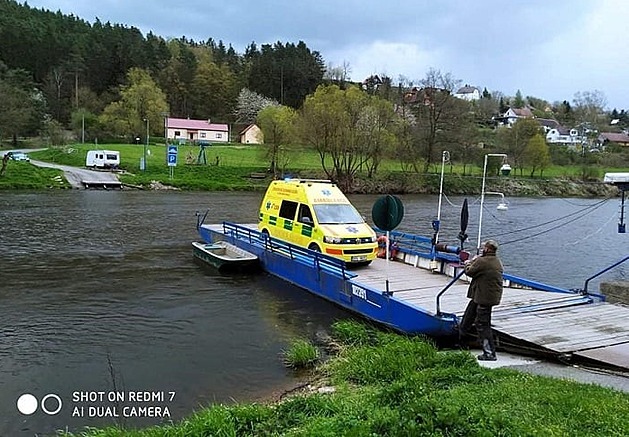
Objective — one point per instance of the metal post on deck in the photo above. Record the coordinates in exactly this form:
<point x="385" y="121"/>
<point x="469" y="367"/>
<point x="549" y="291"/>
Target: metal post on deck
<point x="482" y="198"/>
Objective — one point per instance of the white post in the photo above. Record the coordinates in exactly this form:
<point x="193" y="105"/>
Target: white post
<point x="444" y="155"/>
<point x="482" y="198"/>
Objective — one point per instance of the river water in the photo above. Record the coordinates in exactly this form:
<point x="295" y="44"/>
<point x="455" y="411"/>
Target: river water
<point x="99" y="293"/>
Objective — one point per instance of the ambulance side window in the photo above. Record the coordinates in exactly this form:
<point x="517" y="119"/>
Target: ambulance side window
<point x="288" y="209"/>
<point x="305" y="216"/>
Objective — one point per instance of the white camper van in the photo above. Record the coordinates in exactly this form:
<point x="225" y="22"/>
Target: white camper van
<point x="103" y="159"/>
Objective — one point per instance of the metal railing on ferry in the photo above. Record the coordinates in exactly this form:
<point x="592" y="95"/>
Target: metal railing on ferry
<point x="318" y="260"/>
<point x="605" y="270"/>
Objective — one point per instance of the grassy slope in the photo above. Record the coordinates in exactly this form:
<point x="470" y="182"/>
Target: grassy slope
<point x="393" y="385"/>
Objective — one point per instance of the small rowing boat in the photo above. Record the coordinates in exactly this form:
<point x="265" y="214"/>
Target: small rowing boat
<point x="224" y="256"/>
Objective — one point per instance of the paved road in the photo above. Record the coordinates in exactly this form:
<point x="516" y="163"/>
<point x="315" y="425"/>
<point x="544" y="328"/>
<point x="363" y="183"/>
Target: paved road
<point x="586" y="375"/>
<point x="76" y="175"/>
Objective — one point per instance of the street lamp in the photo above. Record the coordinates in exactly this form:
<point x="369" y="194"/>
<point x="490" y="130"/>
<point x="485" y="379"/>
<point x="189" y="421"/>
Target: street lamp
<point x="482" y="197"/>
<point x="147" y="141"/>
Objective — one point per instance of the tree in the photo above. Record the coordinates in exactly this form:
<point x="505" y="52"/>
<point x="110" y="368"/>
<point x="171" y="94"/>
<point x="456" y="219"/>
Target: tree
<point x="176" y="79"/>
<point x="564" y="113"/>
<point x="276" y="123"/>
<point x="285" y="72"/>
<point x="349" y="129"/>
<point x="436" y="113"/>
<point x="214" y="91"/>
<point x="339" y="75"/>
<point x="140" y="100"/>
<point x="589" y="111"/>
<point x="518" y="101"/>
<point x="249" y="104"/>
<point x="536" y="154"/>
<point x="21" y="105"/>
<point x="517" y="138"/>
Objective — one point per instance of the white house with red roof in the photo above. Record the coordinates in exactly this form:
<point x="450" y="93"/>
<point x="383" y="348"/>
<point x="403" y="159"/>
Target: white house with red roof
<point x="196" y="130"/>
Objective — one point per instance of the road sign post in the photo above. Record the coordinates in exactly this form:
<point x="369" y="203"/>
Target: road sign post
<point x="172" y="158"/>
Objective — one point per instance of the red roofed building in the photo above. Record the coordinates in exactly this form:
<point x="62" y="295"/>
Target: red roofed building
<point x="196" y="130"/>
<point x="611" y="137"/>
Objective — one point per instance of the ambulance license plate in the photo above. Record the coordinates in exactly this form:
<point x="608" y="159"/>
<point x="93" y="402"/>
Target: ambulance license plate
<point x="359" y="258"/>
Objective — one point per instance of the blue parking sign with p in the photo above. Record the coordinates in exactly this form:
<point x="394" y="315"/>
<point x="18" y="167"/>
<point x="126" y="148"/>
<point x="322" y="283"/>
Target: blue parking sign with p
<point x="172" y="155"/>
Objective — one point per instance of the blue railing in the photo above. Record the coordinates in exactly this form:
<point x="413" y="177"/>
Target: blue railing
<point x="319" y="260"/>
<point x="606" y="269"/>
<point x="418" y="245"/>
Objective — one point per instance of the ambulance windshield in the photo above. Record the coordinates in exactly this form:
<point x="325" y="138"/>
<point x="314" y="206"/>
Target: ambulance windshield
<point x="337" y="214"/>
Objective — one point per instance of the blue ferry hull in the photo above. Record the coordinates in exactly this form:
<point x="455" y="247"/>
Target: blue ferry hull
<point x="327" y="277"/>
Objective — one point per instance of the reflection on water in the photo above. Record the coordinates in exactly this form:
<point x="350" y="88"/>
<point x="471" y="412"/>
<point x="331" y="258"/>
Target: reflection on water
<point x="100" y="289"/>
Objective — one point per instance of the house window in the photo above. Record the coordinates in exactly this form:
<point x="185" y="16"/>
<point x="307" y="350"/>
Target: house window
<point x="219" y="135"/>
<point x="202" y="134"/>
<point x="177" y="133"/>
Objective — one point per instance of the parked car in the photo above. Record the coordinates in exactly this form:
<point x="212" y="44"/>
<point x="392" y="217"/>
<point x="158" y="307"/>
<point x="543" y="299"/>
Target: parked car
<point x="19" y="156"/>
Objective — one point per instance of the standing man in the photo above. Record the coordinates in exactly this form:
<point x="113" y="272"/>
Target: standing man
<point x="485" y="291"/>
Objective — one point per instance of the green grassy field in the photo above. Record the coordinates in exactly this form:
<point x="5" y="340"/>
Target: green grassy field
<point x="237" y="162"/>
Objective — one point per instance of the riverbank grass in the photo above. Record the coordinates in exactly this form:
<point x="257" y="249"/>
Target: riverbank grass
<point x="389" y="384"/>
<point x="301" y="354"/>
<point x="25" y="176"/>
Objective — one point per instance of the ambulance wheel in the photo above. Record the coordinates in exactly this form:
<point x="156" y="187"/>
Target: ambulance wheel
<point x="314" y="247"/>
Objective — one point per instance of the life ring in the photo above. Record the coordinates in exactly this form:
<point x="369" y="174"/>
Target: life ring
<point x="382" y="246"/>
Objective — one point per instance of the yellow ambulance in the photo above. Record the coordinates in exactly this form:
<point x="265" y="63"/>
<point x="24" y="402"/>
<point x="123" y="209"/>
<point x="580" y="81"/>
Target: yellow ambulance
<point x="315" y="214"/>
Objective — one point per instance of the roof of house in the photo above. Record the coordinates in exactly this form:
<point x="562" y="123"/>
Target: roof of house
<point x="615" y="137"/>
<point x="549" y="123"/>
<point x="522" y="112"/>
<point x="467" y="89"/>
<point x="251" y="126"/>
<point x="186" y="123"/>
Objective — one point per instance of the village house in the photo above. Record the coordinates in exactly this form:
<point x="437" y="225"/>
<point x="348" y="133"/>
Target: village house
<point x="514" y="114"/>
<point x="469" y="93"/>
<point x="185" y="129"/>
<point x="561" y="135"/>
<point x="252" y="134"/>
<point x="613" y="137"/>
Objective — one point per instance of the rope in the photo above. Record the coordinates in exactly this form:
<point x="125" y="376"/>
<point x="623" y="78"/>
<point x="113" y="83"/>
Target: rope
<point x="550" y="229"/>
<point x="592" y="207"/>
<point x="593" y="233"/>
<point x="459" y="206"/>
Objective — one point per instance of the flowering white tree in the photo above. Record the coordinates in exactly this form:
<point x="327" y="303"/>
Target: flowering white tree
<point x="249" y="104"/>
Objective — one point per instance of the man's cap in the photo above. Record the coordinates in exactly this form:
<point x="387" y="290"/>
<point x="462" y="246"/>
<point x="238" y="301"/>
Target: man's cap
<point x="492" y="243"/>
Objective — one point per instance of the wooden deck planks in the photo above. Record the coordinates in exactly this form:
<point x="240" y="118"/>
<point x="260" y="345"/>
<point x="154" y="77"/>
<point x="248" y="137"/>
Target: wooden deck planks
<point x="559" y="322"/>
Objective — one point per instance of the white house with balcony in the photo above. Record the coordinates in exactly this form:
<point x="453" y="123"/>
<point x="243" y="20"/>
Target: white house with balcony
<point x="185" y="129"/>
<point x="561" y="135"/>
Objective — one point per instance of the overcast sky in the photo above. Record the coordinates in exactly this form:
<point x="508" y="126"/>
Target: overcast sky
<point x="547" y="49"/>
